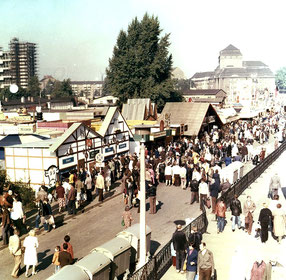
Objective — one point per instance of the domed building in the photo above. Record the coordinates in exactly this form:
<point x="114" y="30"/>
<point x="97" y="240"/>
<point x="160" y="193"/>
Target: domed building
<point x="245" y="82"/>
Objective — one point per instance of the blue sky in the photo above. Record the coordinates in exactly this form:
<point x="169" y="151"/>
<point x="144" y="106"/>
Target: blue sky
<point x="76" y="37"/>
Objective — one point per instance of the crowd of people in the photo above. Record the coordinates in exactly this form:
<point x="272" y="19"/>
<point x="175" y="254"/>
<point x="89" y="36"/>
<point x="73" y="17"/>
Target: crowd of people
<point x="193" y="163"/>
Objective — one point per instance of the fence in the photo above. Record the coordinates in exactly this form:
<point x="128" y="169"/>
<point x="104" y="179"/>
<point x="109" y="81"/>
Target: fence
<point x="156" y="267"/>
<point x="240" y="186"/>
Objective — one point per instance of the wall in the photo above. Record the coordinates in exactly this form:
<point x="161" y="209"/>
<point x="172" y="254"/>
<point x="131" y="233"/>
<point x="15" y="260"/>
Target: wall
<point x="28" y="164"/>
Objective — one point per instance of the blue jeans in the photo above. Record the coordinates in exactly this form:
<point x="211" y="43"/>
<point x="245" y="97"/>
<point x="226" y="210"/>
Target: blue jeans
<point x="57" y="268"/>
<point x="38" y="221"/>
<point x="235" y="220"/>
<point x="220" y="223"/>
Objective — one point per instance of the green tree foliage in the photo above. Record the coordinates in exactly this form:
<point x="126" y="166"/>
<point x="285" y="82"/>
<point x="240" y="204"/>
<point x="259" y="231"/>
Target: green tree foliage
<point x="280" y="78"/>
<point x="24" y="190"/>
<point x="33" y="88"/>
<point x="62" y="89"/>
<point x="141" y="64"/>
<point x="5" y="93"/>
<point x="48" y="88"/>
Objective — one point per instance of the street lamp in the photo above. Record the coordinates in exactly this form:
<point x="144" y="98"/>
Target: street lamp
<point x="142" y="251"/>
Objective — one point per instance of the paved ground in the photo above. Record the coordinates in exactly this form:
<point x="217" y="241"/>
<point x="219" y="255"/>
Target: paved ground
<point x="235" y="252"/>
<point x="102" y="222"/>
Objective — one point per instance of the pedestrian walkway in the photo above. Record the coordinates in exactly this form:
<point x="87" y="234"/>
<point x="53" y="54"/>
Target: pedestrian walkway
<point x="235" y="252"/>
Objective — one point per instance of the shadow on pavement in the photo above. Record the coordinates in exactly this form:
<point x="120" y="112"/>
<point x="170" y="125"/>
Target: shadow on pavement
<point x="44" y="260"/>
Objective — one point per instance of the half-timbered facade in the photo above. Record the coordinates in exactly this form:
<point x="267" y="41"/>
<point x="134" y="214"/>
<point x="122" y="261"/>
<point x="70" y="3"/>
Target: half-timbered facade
<point x="115" y="134"/>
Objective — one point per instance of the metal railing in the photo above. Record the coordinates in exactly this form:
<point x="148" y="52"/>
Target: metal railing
<point x="156" y="267"/>
<point x="239" y="187"/>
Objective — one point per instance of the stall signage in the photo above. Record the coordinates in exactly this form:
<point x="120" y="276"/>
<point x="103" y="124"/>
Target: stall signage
<point x="92" y="154"/>
<point x="108" y="150"/>
<point x="159" y="134"/>
<point x="68" y="160"/>
<point x="122" y="146"/>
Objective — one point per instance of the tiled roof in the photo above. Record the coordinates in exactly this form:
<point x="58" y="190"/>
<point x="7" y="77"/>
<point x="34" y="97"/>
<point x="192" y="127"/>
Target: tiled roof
<point x="253" y="64"/>
<point x="86" y="82"/>
<point x="230" y="50"/>
<point x="200" y="75"/>
<point x="201" y="92"/>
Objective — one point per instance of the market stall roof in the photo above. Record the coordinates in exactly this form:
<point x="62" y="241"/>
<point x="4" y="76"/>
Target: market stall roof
<point x="67" y="134"/>
<point x="38" y="144"/>
<point x="228" y="115"/>
<point x="107" y="120"/>
<point x="188" y="113"/>
<point x="16" y="139"/>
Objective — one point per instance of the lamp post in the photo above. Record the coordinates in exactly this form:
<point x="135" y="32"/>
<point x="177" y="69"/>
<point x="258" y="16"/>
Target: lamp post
<point x="142" y="251"/>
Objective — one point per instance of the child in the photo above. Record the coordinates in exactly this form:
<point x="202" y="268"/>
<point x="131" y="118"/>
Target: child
<point x="70" y="248"/>
<point x="55" y="260"/>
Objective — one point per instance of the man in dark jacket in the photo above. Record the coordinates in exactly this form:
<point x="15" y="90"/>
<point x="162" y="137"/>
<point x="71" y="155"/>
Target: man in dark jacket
<point x="214" y="189"/>
<point x="194" y="191"/>
<point x="195" y="238"/>
<point x="180" y="245"/>
<point x="235" y="207"/>
<point x="152" y="199"/>
<point x="65" y="257"/>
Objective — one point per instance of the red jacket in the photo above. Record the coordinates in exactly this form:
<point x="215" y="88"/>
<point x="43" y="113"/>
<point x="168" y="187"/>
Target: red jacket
<point x="220" y="209"/>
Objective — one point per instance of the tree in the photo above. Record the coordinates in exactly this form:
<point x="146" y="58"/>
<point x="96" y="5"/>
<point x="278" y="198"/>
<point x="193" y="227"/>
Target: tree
<point x="280" y="78"/>
<point x="48" y="88"/>
<point x="62" y="89"/>
<point x="33" y="88"/>
<point x="141" y="64"/>
<point x="5" y="93"/>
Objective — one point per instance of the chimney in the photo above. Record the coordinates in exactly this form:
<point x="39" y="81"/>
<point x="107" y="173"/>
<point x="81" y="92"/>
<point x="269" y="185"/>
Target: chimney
<point x="23" y="99"/>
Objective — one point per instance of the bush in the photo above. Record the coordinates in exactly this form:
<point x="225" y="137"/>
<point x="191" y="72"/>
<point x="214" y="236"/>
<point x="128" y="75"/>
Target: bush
<point x="25" y="192"/>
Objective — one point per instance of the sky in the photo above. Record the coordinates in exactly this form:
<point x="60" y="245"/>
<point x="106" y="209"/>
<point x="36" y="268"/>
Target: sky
<point x="76" y="37"/>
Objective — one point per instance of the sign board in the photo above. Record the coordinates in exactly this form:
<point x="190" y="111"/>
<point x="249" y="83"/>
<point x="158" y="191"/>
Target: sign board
<point x="100" y="164"/>
<point x="122" y="146"/>
<point x="99" y="157"/>
<point x="68" y="160"/>
<point x="92" y="154"/>
<point x="27" y="128"/>
<point x="108" y="150"/>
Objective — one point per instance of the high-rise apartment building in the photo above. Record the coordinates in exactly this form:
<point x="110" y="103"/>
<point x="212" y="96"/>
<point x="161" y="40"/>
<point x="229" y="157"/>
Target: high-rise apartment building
<point x="18" y="64"/>
<point x="5" y="75"/>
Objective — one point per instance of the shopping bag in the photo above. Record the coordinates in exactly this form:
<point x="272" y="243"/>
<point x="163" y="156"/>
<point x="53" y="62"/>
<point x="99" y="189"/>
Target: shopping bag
<point x="214" y="277"/>
<point x="185" y="266"/>
<point x="208" y="202"/>
<point x="122" y="222"/>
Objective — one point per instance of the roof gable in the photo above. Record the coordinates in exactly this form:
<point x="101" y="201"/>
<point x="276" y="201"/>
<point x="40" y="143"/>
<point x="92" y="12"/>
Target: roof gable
<point x="230" y="50"/>
<point x="108" y="119"/>
<point x="188" y="113"/>
<point x="69" y="133"/>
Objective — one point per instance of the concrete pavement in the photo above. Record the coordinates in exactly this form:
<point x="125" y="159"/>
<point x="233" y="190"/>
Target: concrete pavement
<point x="235" y="252"/>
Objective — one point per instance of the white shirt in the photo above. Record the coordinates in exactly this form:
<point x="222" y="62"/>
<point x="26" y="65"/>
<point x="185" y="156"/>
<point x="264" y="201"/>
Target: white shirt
<point x="203" y="188"/>
<point x="17" y="211"/>
<point x="196" y="176"/>
<point x="168" y="170"/>
<point x="183" y="172"/>
<point x="176" y="169"/>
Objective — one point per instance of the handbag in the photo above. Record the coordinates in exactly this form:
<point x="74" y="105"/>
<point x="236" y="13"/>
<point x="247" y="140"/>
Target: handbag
<point x="207" y="202"/>
<point x="185" y="266"/>
<point x="214" y="277"/>
<point x="122" y="222"/>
